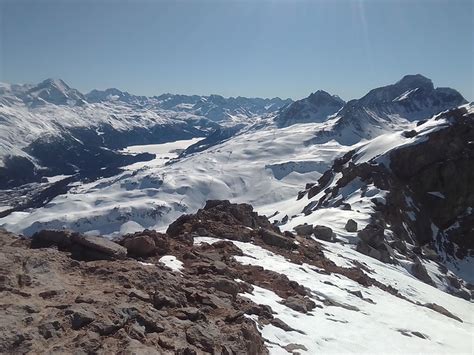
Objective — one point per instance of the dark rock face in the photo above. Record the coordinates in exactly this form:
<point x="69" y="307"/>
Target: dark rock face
<point x="440" y="174"/>
<point x="372" y="243"/>
<point x="419" y="271"/>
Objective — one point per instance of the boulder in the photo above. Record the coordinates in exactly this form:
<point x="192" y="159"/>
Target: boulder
<point x="140" y="245"/>
<point x="225" y="285"/>
<point x="98" y="247"/>
<point x="304" y="229"/>
<point x="381" y="253"/>
<point x="323" y="233"/>
<point x="272" y="238"/>
<point x="47" y="238"/>
<point x="373" y="235"/>
<point x="299" y="304"/>
<point x="351" y="225"/>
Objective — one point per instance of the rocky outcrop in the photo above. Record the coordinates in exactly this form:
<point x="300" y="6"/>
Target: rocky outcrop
<point x="222" y="219"/>
<point x="372" y="243"/>
<point x="276" y="239"/>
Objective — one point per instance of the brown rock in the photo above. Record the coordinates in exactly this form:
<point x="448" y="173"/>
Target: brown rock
<point x="140" y="245"/>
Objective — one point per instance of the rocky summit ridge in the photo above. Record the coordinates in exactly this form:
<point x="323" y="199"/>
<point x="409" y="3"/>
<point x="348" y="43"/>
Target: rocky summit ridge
<point x="191" y="290"/>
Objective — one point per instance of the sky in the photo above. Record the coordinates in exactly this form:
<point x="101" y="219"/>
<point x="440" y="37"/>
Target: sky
<point x="264" y="48"/>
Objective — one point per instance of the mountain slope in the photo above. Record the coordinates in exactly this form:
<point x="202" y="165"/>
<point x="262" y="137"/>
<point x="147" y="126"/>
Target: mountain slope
<point x="411" y="197"/>
<point x="221" y="280"/>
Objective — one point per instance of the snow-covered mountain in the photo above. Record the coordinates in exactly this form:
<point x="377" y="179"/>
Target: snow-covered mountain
<point x="214" y="107"/>
<point x="317" y="107"/>
<point x="36" y="120"/>
<point x="369" y="203"/>
<point x="261" y="164"/>
<point x="387" y="108"/>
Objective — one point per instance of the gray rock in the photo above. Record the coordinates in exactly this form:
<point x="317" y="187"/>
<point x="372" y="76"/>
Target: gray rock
<point x="80" y="317"/>
<point x="351" y="225"/>
<point x="323" y="233"/>
<point x="304" y="229"/>
<point x="299" y="304"/>
<point x="100" y="245"/>
<point x="272" y="238"/>
<point x="373" y="235"/>
<point x="51" y="329"/>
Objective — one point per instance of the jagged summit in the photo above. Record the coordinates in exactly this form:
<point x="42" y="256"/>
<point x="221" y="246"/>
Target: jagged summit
<point x="386" y="108"/>
<point x="54" y="91"/>
<point x="314" y="108"/>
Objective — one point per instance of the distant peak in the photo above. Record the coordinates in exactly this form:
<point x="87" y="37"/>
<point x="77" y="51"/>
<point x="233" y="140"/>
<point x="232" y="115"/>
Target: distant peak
<point x="320" y="97"/>
<point x="53" y="82"/>
<point x="415" y="81"/>
<point x="320" y="93"/>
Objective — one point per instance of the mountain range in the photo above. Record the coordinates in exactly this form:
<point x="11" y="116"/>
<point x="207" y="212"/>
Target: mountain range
<point x="356" y="214"/>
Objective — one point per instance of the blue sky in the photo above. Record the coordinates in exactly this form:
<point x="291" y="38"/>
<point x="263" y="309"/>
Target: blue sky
<point x="249" y="48"/>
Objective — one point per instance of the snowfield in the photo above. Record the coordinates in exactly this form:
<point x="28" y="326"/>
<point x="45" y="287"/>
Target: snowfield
<point x="377" y="323"/>
<point x="261" y="167"/>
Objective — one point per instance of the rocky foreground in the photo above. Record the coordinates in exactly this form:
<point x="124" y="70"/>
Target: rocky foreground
<point x="200" y="288"/>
